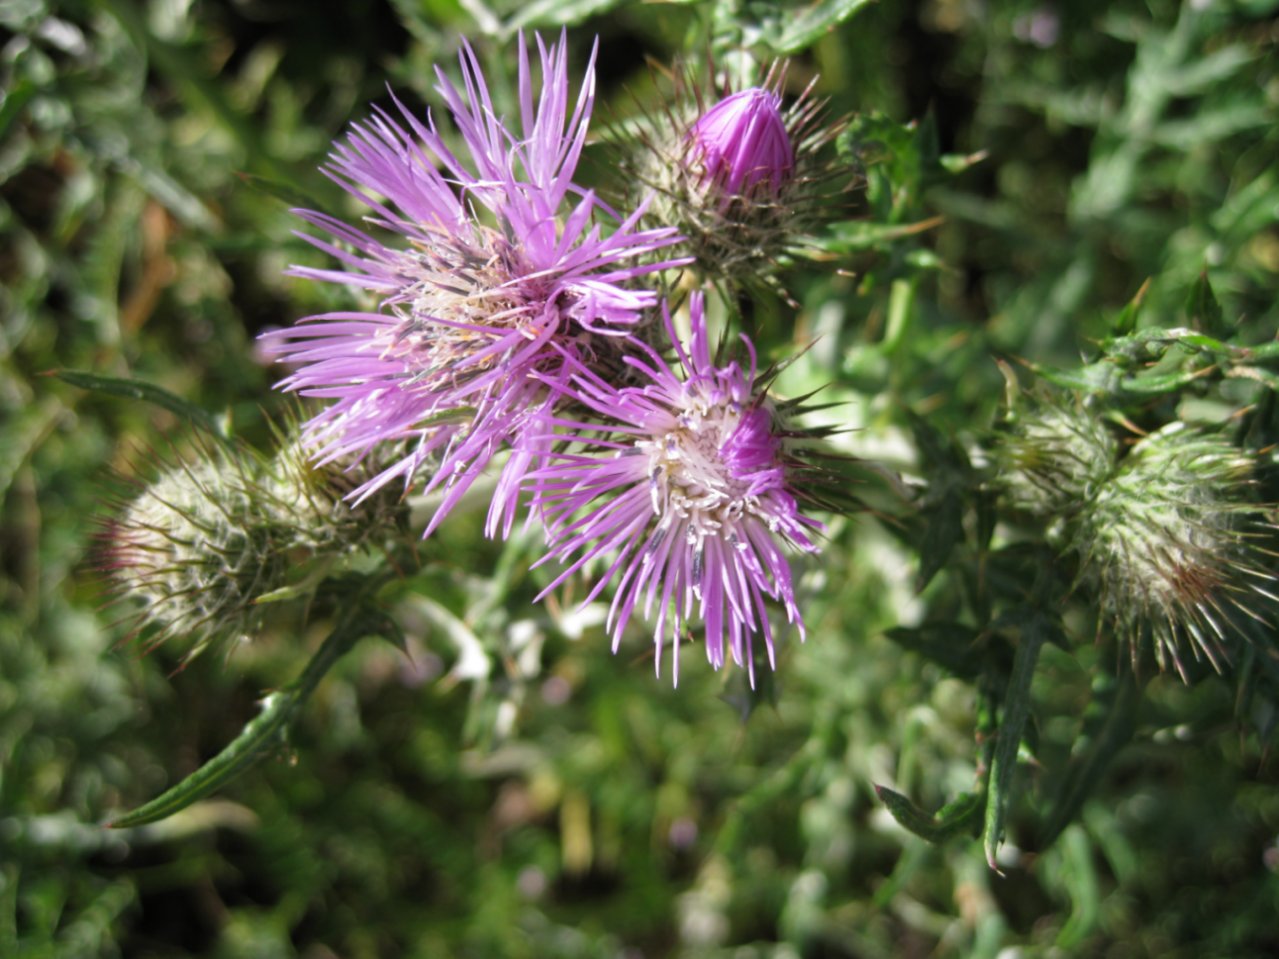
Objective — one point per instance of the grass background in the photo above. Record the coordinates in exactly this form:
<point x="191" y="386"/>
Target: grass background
<point x="511" y="789"/>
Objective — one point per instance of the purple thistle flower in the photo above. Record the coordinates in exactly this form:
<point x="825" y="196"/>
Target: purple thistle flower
<point x="688" y="491"/>
<point x="501" y="275"/>
<point x="742" y="142"/>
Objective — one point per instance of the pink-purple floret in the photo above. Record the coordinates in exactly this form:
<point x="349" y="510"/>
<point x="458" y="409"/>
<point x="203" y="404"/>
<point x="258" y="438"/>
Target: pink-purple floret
<point x="683" y="482"/>
<point x="742" y="142"/>
<point x="502" y="230"/>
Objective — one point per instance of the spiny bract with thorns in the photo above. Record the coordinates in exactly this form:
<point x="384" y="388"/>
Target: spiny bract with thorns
<point x="1053" y="456"/>
<point x="200" y="546"/>
<point x="1174" y="544"/>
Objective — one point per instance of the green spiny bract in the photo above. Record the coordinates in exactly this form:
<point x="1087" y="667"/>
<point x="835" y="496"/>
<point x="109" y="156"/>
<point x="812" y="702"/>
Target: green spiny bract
<point x="1054" y="458"/>
<point x="213" y="536"/>
<point x="1169" y="536"/>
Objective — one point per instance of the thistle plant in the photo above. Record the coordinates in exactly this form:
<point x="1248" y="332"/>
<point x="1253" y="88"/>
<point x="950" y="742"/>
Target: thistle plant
<point x="577" y="362"/>
<point x="511" y="338"/>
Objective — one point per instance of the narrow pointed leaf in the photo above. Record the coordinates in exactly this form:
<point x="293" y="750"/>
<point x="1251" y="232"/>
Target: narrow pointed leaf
<point x="1035" y="631"/>
<point x="1125" y="321"/>
<point x="813" y="23"/>
<point x="953" y="646"/>
<point x="262" y="736"/>
<point x="286" y="193"/>
<point x="13" y="101"/>
<point x="1204" y="310"/>
<point x="147" y="392"/>
<point x="960" y="815"/>
<point x="944" y="529"/>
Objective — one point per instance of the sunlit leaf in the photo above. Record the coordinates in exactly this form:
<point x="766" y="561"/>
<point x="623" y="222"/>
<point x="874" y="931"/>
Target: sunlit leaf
<point x="814" y="22"/>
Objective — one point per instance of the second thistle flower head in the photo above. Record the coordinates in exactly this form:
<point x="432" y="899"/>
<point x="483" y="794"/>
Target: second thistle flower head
<point x="1168" y="536"/>
<point x="686" y="493"/>
<point x="1172" y="543"/>
<point x="199" y="547"/>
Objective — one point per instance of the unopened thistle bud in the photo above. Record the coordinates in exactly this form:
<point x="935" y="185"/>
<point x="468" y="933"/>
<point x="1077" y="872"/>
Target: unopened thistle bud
<point x="744" y="178"/>
<point x="1053" y="457"/>
<point x="1172" y="543"/>
<point x="1168" y="537"/>
<point x="199" y="547"/>
<point x="743" y="146"/>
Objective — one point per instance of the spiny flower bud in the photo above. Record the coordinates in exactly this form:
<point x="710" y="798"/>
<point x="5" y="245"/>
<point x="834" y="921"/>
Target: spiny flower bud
<point x="1171" y="542"/>
<point x="743" y="179"/>
<point x="200" y="546"/>
<point x="1053" y="457"/>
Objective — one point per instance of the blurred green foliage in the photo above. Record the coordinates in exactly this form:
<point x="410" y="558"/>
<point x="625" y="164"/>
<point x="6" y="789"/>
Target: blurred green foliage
<point x="505" y="787"/>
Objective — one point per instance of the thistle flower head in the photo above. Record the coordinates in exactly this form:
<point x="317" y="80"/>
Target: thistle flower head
<point x="491" y="270"/>
<point x="742" y="144"/>
<point x="1172" y="541"/>
<point x="198" y="547"/>
<point x="686" y="494"/>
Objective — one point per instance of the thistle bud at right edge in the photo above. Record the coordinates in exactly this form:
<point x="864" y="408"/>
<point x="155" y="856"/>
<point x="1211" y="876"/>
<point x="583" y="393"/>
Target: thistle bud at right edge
<point x="1175" y="546"/>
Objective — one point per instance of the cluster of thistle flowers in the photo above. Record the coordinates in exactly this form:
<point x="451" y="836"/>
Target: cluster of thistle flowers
<point x="1169" y="535"/>
<point x="518" y="328"/>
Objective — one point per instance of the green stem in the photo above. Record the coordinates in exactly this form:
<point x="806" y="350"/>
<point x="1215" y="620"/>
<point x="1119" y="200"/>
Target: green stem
<point x="261" y="735"/>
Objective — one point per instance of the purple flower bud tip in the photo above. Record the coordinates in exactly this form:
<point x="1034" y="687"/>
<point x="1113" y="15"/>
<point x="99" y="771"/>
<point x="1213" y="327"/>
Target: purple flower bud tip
<point x="742" y="142"/>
